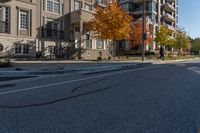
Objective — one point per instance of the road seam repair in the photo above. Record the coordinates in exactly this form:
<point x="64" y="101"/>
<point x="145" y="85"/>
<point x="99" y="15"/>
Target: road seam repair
<point x="76" y="80"/>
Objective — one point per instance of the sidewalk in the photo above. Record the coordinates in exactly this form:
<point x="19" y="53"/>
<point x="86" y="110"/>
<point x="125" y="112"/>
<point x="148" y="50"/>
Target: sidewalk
<point x="35" y="68"/>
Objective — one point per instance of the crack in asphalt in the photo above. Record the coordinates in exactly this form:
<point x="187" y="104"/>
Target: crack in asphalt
<point x="58" y="100"/>
<point x="87" y="84"/>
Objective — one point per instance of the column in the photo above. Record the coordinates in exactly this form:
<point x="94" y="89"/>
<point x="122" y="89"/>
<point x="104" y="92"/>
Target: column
<point x="80" y="40"/>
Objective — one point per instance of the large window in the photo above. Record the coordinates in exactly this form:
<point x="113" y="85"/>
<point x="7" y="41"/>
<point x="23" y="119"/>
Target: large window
<point x="25" y="49"/>
<point x="23" y="20"/>
<point x="77" y="5"/>
<point x="4" y="19"/>
<point x="88" y="7"/>
<point x="54" y="29"/>
<point x="1" y="47"/>
<point x="22" y="48"/>
<point x="99" y="44"/>
<point x="53" y="6"/>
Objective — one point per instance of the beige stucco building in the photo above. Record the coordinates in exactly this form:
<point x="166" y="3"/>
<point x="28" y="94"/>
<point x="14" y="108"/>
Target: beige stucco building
<point x="17" y="28"/>
<point x="50" y="28"/>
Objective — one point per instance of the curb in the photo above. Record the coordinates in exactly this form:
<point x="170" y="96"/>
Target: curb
<point x="83" y="71"/>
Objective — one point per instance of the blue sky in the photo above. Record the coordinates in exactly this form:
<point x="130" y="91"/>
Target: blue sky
<point x="189" y="16"/>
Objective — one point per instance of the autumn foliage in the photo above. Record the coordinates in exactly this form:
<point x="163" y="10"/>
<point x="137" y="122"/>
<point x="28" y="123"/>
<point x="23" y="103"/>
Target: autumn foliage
<point x="111" y="22"/>
<point x="163" y="36"/>
<point x="137" y="34"/>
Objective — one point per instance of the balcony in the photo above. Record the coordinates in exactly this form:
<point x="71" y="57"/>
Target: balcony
<point x="168" y="7"/>
<point x="4" y="27"/>
<point x="137" y="1"/>
<point x="169" y="18"/>
<point x="170" y="1"/>
<point x="169" y="26"/>
<point x="101" y="3"/>
<point x="139" y="11"/>
<point x="81" y="15"/>
<point x="55" y="34"/>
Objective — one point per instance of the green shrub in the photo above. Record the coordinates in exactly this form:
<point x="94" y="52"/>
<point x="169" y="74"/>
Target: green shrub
<point x="139" y="53"/>
<point x="5" y="64"/>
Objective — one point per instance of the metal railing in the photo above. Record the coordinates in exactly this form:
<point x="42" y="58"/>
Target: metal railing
<point x="55" y="34"/>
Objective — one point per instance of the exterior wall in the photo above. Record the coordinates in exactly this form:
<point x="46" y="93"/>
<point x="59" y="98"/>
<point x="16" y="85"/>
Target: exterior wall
<point x="38" y="37"/>
<point x="15" y="35"/>
<point x="93" y="54"/>
<point x="9" y="48"/>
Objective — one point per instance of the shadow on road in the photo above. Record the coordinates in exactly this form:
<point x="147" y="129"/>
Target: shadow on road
<point x="58" y="100"/>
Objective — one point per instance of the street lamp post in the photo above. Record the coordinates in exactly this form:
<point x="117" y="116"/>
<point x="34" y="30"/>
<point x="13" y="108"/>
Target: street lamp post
<point x="143" y="31"/>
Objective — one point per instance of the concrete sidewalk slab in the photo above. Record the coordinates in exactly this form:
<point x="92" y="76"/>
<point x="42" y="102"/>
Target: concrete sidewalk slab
<point x="77" y="67"/>
<point x="61" y="70"/>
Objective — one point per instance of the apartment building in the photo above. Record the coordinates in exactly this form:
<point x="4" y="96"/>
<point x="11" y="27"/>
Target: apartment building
<point x="17" y="28"/>
<point x="50" y="28"/>
<point x="78" y="13"/>
<point x="157" y="13"/>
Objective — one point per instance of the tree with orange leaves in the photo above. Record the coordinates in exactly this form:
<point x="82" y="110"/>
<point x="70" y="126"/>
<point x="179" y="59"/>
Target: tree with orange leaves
<point x="111" y="23"/>
<point x="137" y="34"/>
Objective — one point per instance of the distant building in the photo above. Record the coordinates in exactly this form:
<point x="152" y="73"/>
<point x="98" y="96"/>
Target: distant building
<point x="157" y="13"/>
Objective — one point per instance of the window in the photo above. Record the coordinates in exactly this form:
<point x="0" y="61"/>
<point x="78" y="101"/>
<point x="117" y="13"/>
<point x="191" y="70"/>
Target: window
<point x="87" y="7"/>
<point x="25" y="49"/>
<point x="88" y="43"/>
<point x="43" y="5"/>
<point x="56" y="7"/>
<point x="77" y="5"/>
<point x="22" y="48"/>
<point x="1" y="47"/>
<point x="101" y="1"/>
<point x="53" y="6"/>
<point x="23" y="19"/>
<point x="18" y="48"/>
<point x="61" y="25"/>
<point x="50" y="6"/>
<point x="99" y="44"/>
<point x="55" y="30"/>
<point x="4" y="19"/>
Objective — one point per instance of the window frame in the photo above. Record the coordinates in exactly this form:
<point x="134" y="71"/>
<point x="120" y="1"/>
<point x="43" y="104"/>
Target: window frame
<point x="100" y="40"/>
<point x="21" y="26"/>
<point x="22" y="49"/>
<point x="76" y="1"/>
<point x="7" y="16"/>
<point x="53" y="9"/>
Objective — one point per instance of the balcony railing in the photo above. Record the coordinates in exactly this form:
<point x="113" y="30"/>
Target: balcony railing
<point x="55" y="34"/>
<point x="4" y="27"/>
<point x="169" y="7"/>
<point x="169" y="17"/>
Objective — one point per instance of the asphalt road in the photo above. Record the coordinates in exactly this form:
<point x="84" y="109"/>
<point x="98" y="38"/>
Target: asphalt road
<point x="152" y="99"/>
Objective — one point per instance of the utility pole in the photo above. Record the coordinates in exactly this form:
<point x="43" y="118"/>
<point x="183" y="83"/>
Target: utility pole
<point x="143" y="31"/>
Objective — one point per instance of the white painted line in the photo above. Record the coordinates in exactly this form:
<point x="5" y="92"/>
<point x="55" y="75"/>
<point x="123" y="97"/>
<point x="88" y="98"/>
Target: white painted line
<point x="195" y="69"/>
<point x="180" y="64"/>
<point x="76" y="80"/>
